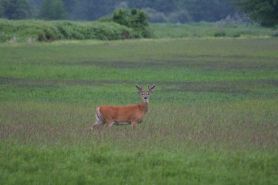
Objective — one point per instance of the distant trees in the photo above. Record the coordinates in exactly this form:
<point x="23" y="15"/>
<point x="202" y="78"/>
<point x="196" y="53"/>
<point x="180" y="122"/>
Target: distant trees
<point x="15" y="9"/>
<point x="133" y="18"/>
<point x="263" y="11"/>
<point x="158" y="10"/>
<point x="92" y="9"/>
<point x="52" y="9"/>
<point x="130" y="17"/>
<point x="186" y="10"/>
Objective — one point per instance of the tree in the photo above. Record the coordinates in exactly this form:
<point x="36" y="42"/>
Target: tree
<point x="264" y="12"/>
<point x="52" y="10"/>
<point x="14" y="9"/>
<point x="133" y="18"/>
<point x="93" y="9"/>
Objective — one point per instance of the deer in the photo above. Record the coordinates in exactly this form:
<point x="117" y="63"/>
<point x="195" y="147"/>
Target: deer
<point x="122" y="115"/>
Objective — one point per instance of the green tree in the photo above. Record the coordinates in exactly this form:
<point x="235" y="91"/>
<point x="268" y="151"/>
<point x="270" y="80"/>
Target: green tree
<point x="133" y="18"/>
<point x="15" y="9"/>
<point x="52" y="10"/>
<point x="264" y="12"/>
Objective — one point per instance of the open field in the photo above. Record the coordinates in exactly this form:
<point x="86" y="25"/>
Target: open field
<point x="212" y="120"/>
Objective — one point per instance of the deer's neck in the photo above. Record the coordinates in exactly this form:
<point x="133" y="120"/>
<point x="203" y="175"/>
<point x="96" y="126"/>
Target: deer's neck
<point x="144" y="106"/>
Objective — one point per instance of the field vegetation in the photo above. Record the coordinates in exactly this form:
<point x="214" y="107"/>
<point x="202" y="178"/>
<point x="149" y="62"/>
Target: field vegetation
<point x="35" y="30"/>
<point x="219" y="29"/>
<point x="122" y="26"/>
<point x="212" y="118"/>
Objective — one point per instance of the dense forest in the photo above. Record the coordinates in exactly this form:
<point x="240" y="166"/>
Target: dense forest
<point x="158" y="10"/>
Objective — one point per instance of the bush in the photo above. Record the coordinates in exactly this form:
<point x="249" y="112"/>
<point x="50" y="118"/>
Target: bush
<point x="4" y="37"/>
<point x="135" y="19"/>
<point x="57" y="30"/>
<point x="220" y="34"/>
<point x="107" y="31"/>
<point x="275" y="34"/>
<point x="125" y="24"/>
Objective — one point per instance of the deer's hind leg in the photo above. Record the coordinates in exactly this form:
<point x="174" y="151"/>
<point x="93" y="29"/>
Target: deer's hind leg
<point x="97" y="125"/>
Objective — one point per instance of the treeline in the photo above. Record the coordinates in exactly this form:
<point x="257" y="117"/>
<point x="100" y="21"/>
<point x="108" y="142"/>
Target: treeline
<point x="158" y="10"/>
<point x="264" y="12"/>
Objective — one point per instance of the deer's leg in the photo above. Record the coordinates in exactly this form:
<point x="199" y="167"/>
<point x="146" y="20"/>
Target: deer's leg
<point x="110" y="124"/>
<point x="134" y="124"/>
<point x="99" y="123"/>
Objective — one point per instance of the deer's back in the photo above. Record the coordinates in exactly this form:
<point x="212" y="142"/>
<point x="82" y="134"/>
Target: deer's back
<point x="122" y="113"/>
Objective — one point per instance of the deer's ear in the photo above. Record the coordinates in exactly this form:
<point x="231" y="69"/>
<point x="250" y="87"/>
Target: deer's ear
<point x="151" y="88"/>
<point x="139" y="88"/>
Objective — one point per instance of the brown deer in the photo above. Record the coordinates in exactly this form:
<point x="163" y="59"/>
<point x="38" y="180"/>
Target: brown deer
<point x="122" y="115"/>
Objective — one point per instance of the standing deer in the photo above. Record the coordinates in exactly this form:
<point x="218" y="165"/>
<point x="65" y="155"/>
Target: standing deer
<point x="122" y="115"/>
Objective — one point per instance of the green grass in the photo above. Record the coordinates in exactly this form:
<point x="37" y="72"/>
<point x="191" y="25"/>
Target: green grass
<point x="212" y="118"/>
<point x="211" y="30"/>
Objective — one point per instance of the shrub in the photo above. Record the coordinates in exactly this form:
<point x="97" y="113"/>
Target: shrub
<point x="135" y="19"/>
<point x="4" y="37"/>
<point x="57" y="30"/>
<point x="220" y="34"/>
<point x="275" y="34"/>
<point x="236" y="34"/>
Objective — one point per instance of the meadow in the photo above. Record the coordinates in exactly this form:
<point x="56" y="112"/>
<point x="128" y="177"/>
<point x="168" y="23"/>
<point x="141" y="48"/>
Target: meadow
<point x="212" y="119"/>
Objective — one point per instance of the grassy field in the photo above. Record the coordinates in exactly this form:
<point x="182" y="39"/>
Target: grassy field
<point x="212" y="119"/>
<point x="220" y="29"/>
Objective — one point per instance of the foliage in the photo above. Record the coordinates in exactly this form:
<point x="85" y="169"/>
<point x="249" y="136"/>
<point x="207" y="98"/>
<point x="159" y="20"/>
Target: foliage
<point x="52" y="10"/>
<point x="109" y="30"/>
<point x="57" y="30"/>
<point x="15" y="9"/>
<point x="263" y="11"/>
<point x="187" y="10"/>
<point x="133" y="18"/>
<point x="170" y="11"/>
<point x="91" y="9"/>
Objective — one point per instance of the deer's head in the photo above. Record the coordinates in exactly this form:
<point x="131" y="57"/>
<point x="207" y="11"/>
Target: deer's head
<point x="145" y="95"/>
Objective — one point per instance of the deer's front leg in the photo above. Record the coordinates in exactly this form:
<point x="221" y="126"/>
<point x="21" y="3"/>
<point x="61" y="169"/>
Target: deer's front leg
<point x="110" y="124"/>
<point x="134" y="124"/>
